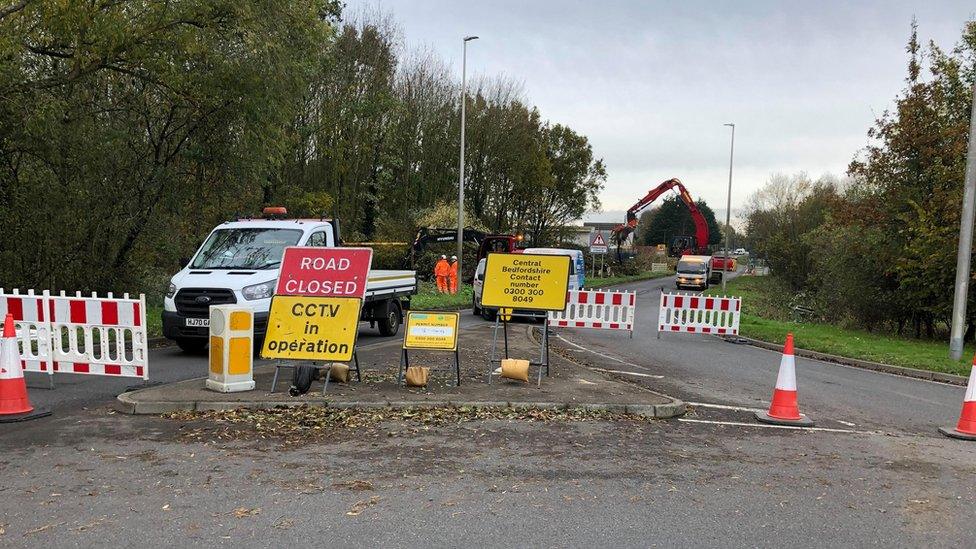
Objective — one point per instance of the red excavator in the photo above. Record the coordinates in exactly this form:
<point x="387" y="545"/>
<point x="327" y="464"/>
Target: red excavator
<point x="680" y="245"/>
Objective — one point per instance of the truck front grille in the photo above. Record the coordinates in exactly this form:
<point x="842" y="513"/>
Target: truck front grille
<point x="196" y="302"/>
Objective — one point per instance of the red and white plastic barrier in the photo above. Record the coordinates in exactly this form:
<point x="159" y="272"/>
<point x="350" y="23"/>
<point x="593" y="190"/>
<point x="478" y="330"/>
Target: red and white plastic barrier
<point x="81" y="335"/>
<point x="33" y="329"/>
<point x="598" y="309"/>
<point x="696" y="314"/>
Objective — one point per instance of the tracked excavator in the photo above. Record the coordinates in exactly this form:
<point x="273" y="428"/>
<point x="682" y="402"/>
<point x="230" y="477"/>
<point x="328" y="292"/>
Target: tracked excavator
<point x="680" y="245"/>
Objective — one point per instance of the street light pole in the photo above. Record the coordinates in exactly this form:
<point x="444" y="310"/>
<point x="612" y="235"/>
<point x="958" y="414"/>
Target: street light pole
<point x="965" y="252"/>
<point x="728" y="210"/>
<point x="464" y="96"/>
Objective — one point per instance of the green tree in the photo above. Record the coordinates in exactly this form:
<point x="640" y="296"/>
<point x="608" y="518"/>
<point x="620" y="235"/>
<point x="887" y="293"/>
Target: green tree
<point x="911" y="178"/>
<point x="672" y="218"/>
<point x="126" y="124"/>
<point x="781" y="214"/>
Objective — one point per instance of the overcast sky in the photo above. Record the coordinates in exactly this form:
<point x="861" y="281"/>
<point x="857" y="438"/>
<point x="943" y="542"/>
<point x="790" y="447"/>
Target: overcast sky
<point x="651" y="83"/>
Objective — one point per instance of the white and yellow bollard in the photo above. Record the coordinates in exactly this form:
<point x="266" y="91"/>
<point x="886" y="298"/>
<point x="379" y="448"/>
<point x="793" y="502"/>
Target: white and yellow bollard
<point x="231" y="341"/>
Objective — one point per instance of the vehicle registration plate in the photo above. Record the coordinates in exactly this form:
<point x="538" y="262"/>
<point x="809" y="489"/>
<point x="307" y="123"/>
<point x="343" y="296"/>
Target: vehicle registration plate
<point x="198" y="322"/>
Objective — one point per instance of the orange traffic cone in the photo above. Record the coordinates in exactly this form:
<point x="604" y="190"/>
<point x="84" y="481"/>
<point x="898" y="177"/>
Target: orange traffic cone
<point x="966" y="428"/>
<point x="784" y="410"/>
<point x="14" y="404"/>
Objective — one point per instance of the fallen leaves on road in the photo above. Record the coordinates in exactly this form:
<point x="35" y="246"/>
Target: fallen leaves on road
<point x="283" y="523"/>
<point x="42" y="528"/>
<point x="300" y="423"/>
<point x="361" y="506"/>
<point x="242" y="512"/>
<point x="355" y="485"/>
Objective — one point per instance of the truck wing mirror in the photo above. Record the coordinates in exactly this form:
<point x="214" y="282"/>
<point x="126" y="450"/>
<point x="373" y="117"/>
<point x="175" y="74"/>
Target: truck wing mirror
<point x="184" y="261"/>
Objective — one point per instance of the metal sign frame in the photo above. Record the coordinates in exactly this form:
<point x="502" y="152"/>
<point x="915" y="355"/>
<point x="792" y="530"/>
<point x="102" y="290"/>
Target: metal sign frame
<point x="502" y="319"/>
<point x="405" y="355"/>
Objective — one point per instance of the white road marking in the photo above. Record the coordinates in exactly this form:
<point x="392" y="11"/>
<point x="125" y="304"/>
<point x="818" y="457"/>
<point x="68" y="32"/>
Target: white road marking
<point x="726" y="407"/>
<point x="792" y="427"/>
<point x="655" y="376"/>
<point x="615" y="359"/>
<point x="848" y="423"/>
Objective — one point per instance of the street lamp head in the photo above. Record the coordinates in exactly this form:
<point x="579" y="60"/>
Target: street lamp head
<point x="731" y="125"/>
<point x="470" y="38"/>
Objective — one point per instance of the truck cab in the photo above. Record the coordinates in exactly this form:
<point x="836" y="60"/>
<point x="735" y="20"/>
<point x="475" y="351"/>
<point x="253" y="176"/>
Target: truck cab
<point x="239" y="262"/>
<point x="694" y="271"/>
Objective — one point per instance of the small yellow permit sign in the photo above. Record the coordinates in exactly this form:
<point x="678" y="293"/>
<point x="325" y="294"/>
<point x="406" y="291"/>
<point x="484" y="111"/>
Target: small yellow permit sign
<point x="425" y="330"/>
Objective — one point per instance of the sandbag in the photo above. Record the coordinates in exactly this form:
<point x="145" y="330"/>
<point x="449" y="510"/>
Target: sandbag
<point x="340" y="372"/>
<point x="417" y="376"/>
<point x="515" y="368"/>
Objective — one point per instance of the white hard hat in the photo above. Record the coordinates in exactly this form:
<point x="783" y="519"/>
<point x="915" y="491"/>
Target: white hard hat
<point x="443" y="257"/>
<point x="453" y="257"/>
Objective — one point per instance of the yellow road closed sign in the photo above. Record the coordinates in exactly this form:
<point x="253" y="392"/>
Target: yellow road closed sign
<point x="431" y="331"/>
<point x="312" y="328"/>
<point x="526" y="281"/>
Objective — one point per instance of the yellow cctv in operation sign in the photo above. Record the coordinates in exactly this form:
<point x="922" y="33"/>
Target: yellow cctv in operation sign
<point x="431" y="331"/>
<point x="526" y="281"/>
<point x="312" y="328"/>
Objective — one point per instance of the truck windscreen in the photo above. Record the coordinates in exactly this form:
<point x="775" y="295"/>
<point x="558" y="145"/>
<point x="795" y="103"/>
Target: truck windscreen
<point x="695" y="267"/>
<point x="251" y="248"/>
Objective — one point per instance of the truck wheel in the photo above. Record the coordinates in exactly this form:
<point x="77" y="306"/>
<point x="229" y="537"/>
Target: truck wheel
<point x="192" y="346"/>
<point x="475" y="309"/>
<point x="488" y="314"/>
<point x="390" y="323"/>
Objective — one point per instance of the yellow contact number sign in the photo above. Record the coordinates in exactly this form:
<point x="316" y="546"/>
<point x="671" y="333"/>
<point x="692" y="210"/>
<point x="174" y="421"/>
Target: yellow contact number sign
<point x="431" y="331"/>
<point x="312" y="328"/>
<point x="526" y="281"/>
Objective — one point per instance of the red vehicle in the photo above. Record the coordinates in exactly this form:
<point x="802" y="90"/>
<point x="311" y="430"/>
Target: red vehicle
<point x="680" y="245"/>
<point x="723" y="263"/>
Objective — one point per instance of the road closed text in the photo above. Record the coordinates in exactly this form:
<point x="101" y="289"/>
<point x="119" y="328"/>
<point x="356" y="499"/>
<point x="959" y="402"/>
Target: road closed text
<point x="326" y="272"/>
<point x="322" y="287"/>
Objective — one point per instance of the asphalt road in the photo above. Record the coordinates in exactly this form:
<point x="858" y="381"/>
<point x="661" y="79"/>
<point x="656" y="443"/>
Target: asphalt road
<point x="706" y="369"/>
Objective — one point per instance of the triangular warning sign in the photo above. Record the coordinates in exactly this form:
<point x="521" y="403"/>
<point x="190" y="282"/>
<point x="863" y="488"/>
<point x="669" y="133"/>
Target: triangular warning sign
<point x="598" y="240"/>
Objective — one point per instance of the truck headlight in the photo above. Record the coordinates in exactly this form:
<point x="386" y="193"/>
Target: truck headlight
<point x="171" y="291"/>
<point x="259" y="291"/>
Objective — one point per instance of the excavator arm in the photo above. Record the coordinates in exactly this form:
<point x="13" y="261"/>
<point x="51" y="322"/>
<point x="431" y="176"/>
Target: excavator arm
<point x="621" y="232"/>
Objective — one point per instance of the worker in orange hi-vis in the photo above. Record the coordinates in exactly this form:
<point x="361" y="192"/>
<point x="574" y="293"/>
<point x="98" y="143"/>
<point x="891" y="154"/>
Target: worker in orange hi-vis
<point x="442" y="270"/>
<point x="454" y="274"/>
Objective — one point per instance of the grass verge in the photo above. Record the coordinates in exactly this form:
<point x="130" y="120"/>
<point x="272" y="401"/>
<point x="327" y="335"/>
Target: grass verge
<point x="764" y="304"/>
<point x="154" y="320"/>
<point x="603" y="282"/>
<point x="428" y="298"/>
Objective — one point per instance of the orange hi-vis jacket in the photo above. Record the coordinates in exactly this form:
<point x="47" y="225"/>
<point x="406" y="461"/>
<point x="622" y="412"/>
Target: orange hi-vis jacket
<point x="442" y="268"/>
<point x="454" y="269"/>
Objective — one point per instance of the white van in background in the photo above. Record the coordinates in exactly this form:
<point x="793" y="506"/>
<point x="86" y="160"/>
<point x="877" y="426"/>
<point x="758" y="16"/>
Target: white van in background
<point x="576" y="276"/>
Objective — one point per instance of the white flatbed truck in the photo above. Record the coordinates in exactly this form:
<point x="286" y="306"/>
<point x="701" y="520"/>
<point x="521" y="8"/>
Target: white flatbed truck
<point x="240" y="261"/>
